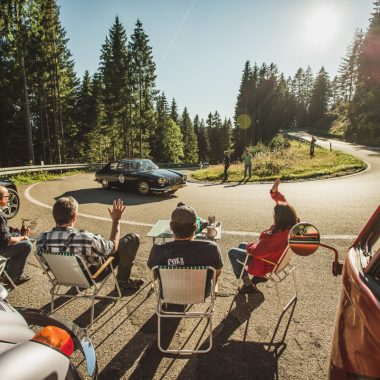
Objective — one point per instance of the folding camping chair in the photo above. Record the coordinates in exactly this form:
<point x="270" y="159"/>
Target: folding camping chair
<point x="281" y="270"/>
<point x="3" y="272"/>
<point x="183" y="286"/>
<point x="69" y="269"/>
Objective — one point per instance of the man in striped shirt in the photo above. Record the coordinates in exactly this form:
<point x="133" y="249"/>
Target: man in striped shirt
<point x="93" y="248"/>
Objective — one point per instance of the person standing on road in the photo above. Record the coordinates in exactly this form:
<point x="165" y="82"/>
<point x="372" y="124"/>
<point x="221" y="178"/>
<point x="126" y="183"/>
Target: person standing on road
<point x="312" y="144"/>
<point x="247" y="158"/>
<point x="272" y="243"/>
<point x="93" y="248"/>
<point x="226" y="164"/>
<point x="15" y="248"/>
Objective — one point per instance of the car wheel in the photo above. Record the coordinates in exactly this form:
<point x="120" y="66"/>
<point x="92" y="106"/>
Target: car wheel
<point x="143" y="187"/>
<point x="105" y="184"/>
<point x="11" y="209"/>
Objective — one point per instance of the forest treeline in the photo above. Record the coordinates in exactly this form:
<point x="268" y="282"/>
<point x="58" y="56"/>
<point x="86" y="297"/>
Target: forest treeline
<point x="49" y="114"/>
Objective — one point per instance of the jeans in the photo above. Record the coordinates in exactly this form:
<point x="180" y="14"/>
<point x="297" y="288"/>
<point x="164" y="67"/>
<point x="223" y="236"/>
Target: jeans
<point x="125" y="255"/>
<point x="249" y="169"/>
<point x="240" y="254"/>
<point x="17" y="254"/>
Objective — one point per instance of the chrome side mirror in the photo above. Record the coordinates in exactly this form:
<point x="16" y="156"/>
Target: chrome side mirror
<point x="304" y="239"/>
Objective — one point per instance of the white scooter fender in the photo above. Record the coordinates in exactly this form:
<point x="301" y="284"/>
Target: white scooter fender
<point x="32" y="360"/>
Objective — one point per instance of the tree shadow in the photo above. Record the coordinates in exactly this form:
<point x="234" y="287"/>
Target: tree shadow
<point x="106" y="197"/>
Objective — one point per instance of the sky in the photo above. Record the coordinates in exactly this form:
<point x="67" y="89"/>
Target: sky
<point x="200" y="46"/>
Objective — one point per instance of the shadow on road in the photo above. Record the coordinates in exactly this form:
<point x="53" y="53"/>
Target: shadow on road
<point x="87" y="196"/>
<point x="234" y="359"/>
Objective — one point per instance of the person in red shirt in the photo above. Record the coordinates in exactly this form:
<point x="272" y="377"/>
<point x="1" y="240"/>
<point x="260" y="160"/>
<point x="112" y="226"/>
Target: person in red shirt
<point x="271" y="245"/>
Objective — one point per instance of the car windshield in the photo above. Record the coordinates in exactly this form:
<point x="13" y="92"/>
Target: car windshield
<point x="143" y="165"/>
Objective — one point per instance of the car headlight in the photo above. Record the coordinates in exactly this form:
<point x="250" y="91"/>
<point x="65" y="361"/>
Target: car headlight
<point x="162" y="181"/>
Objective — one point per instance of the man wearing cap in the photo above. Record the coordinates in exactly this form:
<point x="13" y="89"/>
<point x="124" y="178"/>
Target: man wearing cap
<point x="184" y="250"/>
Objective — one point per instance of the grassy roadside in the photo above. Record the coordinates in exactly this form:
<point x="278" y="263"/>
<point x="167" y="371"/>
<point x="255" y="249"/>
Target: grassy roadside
<point x="293" y="163"/>
<point x="32" y="177"/>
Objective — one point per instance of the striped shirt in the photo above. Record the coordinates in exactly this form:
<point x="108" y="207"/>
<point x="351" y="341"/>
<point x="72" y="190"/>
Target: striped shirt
<point x="89" y="246"/>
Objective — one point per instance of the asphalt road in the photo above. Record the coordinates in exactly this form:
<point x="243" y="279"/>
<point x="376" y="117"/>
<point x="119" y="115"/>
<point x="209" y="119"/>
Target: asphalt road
<point x="253" y="339"/>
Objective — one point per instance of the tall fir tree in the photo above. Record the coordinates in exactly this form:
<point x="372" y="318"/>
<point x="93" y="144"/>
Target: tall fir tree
<point x="142" y="71"/>
<point x="190" y="141"/>
<point x="365" y="110"/>
<point x="320" y="100"/>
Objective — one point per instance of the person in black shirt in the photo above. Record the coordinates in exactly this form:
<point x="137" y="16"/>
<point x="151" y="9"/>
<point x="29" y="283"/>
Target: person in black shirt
<point x="226" y="163"/>
<point x="184" y="250"/>
<point x="15" y="248"/>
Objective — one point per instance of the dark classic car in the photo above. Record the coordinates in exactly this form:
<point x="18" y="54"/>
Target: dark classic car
<point x="11" y="209"/>
<point x="141" y="175"/>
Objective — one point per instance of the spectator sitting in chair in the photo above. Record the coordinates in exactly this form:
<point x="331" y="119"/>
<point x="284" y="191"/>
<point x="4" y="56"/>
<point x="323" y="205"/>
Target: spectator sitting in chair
<point x="15" y="249"/>
<point x="184" y="250"/>
<point x="90" y="246"/>
<point x="267" y="252"/>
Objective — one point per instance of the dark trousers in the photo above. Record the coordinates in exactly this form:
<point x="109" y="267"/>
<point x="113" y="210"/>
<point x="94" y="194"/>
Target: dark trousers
<point x="225" y="173"/>
<point x="17" y="254"/>
<point x="247" y="168"/>
<point x="125" y="255"/>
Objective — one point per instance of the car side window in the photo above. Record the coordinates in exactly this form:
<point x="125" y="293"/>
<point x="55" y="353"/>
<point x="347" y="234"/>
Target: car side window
<point x="113" y="165"/>
<point x="124" y="166"/>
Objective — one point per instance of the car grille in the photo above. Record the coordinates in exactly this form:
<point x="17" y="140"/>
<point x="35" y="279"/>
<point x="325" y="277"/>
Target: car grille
<point x="174" y="181"/>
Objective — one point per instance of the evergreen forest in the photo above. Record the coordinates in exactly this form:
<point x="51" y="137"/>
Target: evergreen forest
<point x="49" y="114"/>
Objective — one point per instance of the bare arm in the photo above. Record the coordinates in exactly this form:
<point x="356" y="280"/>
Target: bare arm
<point x="17" y="239"/>
<point x="115" y="214"/>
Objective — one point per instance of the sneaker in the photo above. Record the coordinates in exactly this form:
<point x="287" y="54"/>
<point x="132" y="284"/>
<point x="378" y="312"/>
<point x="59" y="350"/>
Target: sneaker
<point x="21" y="279"/>
<point x="246" y="289"/>
<point x="132" y="283"/>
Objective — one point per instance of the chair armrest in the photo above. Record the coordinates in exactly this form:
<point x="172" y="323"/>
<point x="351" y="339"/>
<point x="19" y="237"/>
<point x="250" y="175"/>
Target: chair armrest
<point x="104" y="266"/>
<point x="262" y="259"/>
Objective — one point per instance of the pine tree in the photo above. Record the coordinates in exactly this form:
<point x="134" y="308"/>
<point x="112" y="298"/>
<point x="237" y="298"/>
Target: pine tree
<point x="142" y="70"/>
<point x="172" y="142"/>
<point x="320" y="99"/>
<point x="203" y="142"/>
<point x="190" y="142"/>
<point x="364" y="110"/>
<point x="162" y="116"/>
<point x="174" y="112"/>
<point x="116" y="93"/>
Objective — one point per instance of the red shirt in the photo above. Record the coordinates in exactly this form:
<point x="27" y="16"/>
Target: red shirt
<point x="270" y="246"/>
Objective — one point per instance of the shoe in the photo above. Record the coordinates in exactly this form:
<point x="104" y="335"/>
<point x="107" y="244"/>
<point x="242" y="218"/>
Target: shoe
<point x="132" y="283"/>
<point x="21" y="279"/>
<point x="246" y="289"/>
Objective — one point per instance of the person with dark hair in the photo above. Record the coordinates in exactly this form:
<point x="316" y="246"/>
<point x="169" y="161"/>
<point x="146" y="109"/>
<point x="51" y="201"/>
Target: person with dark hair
<point x="184" y="250"/>
<point x="15" y="248"/>
<point x="93" y="248"/>
<point x="271" y="245"/>
<point x="226" y="165"/>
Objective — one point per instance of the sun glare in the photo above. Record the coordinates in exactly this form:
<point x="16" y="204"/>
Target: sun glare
<point x="321" y="26"/>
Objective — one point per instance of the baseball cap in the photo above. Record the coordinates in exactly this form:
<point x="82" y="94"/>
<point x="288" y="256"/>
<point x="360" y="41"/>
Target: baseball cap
<point x="184" y="214"/>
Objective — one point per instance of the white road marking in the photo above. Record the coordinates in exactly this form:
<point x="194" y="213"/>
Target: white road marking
<point x="134" y="223"/>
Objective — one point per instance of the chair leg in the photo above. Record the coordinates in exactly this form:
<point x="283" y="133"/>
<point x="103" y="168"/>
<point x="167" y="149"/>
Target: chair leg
<point x="9" y="278"/>
<point x="116" y="282"/>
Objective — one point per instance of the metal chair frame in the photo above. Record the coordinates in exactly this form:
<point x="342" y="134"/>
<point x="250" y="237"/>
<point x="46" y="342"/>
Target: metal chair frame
<point x="281" y="270"/>
<point x="164" y="299"/>
<point x="86" y="280"/>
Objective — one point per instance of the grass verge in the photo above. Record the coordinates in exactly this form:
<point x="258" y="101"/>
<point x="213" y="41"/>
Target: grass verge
<point x="32" y="177"/>
<point x="293" y="163"/>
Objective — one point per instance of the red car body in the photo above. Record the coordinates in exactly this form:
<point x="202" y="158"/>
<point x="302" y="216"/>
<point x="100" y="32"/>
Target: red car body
<point x="355" y="351"/>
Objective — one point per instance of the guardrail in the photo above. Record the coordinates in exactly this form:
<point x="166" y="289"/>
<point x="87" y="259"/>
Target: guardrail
<point x="39" y="168"/>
